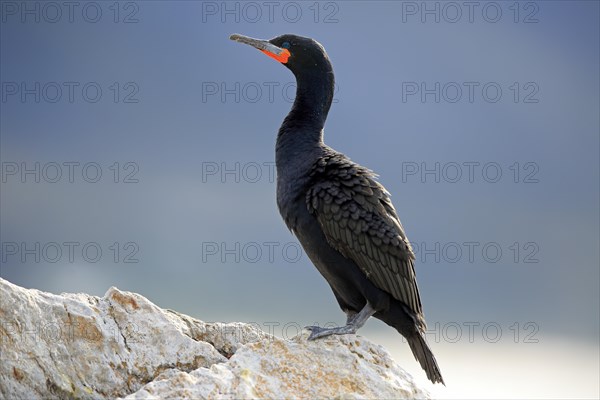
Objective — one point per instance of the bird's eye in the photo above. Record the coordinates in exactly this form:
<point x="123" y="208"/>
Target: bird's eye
<point x="286" y="45"/>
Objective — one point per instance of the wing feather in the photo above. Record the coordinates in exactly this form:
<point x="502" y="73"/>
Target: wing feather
<point x="359" y="220"/>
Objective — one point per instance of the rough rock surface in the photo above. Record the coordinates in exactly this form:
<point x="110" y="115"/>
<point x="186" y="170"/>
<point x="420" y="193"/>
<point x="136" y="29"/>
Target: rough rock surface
<point x="122" y="345"/>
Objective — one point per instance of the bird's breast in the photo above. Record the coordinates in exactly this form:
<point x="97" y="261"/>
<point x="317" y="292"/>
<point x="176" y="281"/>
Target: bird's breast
<point x="290" y="202"/>
<point x="293" y="177"/>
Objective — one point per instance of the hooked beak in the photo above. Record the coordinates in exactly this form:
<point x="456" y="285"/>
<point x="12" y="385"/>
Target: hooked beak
<point x="266" y="47"/>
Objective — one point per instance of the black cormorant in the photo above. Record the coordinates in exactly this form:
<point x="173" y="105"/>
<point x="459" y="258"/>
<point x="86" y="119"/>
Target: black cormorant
<point x="342" y="216"/>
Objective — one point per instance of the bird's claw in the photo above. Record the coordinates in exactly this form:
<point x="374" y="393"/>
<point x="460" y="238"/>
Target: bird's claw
<point x="317" y="332"/>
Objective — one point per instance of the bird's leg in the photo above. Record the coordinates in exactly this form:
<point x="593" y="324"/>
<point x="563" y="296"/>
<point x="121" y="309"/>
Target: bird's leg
<point x="350" y="315"/>
<point x="354" y="322"/>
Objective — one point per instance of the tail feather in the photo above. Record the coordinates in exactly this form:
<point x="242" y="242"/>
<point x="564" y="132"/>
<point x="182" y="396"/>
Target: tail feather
<point x="425" y="357"/>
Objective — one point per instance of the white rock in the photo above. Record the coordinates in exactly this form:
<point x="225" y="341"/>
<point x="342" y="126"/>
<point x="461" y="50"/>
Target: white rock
<point x="347" y="367"/>
<point x="76" y="345"/>
<point x="81" y="346"/>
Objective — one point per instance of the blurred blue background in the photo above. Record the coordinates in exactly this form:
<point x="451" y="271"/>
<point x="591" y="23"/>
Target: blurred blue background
<point x="438" y="98"/>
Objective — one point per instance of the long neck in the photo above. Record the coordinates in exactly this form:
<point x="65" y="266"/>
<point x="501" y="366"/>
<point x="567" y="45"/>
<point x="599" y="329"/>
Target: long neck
<point x="303" y="126"/>
<point x="300" y="140"/>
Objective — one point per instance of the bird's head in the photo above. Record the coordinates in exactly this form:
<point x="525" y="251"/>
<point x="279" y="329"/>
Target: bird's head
<point x="300" y="54"/>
